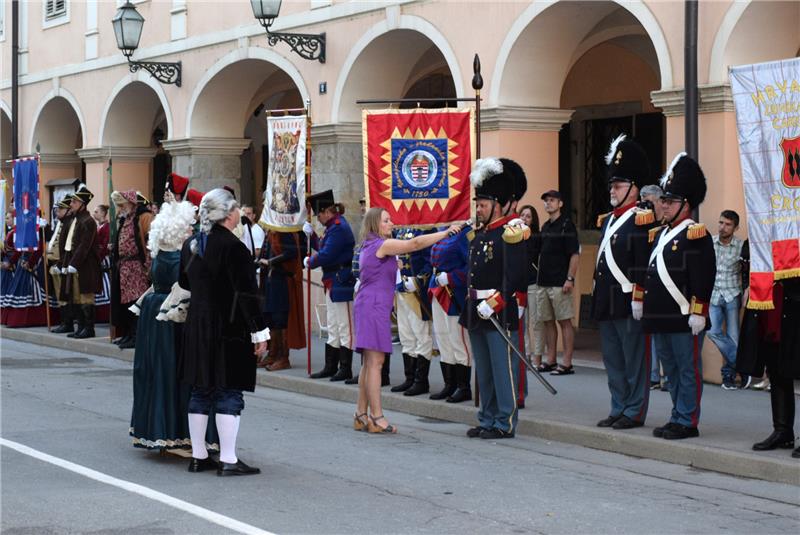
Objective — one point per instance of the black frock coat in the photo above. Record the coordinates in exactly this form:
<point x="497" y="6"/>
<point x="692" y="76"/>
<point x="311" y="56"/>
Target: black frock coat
<point x="223" y="312"/>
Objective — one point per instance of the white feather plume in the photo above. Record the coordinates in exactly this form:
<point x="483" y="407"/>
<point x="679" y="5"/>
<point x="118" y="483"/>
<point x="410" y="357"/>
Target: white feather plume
<point x="613" y="149"/>
<point x="483" y="169"/>
<point x="171" y="227"/>
<point x="670" y="168"/>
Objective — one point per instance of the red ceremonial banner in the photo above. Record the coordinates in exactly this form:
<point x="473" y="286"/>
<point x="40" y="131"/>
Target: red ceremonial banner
<point x="417" y="164"/>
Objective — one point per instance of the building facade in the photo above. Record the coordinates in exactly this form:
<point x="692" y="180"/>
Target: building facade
<point x="561" y="78"/>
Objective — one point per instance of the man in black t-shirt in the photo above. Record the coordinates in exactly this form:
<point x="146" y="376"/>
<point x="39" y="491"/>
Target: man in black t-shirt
<point x="558" y="254"/>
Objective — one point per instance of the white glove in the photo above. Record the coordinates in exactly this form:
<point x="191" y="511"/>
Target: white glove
<point x="305" y="261"/>
<point x="485" y="310"/>
<point x="54" y="270"/>
<point x="308" y="229"/>
<point x="441" y="279"/>
<point x="516" y="222"/>
<point x="71" y="269"/>
<point x="410" y="285"/>
<point x="697" y="323"/>
<point x="357" y="286"/>
<point x="63" y="271"/>
<point x="520" y="312"/>
<point x="637" y="309"/>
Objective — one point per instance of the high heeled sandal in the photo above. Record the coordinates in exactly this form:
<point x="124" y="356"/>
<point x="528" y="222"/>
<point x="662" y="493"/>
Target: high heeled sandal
<point x="373" y="427"/>
<point x="358" y="423"/>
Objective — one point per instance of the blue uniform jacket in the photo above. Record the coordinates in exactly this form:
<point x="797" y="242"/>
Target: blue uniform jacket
<point x="335" y="257"/>
<point x="416" y="265"/>
<point x="451" y="255"/>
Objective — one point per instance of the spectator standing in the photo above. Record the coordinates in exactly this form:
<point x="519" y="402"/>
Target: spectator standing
<point x="558" y="252"/>
<point x="534" y="339"/>
<point x="726" y="299"/>
<point x="253" y="234"/>
<point x="618" y="288"/>
<point x="680" y="278"/>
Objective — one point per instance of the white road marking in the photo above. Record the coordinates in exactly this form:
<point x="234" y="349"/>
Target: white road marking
<point x="200" y="512"/>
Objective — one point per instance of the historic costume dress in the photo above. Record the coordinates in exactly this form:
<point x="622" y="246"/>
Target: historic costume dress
<point x="24" y="301"/>
<point x="102" y="299"/>
<point x="375" y="298"/>
<point x="9" y="261"/>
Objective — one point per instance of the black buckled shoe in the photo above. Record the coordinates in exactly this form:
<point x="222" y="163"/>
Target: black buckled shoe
<point x="778" y="439"/>
<point x="679" y="432"/>
<point x="658" y="432"/>
<point x="494" y="434"/>
<point x="201" y="465"/>
<point x="237" y="469"/>
<point x="475" y="432"/>
<point x="608" y="422"/>
<point x="626" y="423"/>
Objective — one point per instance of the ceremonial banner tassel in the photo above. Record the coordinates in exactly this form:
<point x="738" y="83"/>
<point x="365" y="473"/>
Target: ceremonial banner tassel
<point x="417" y="164"/>
<point x="766" y="97"/>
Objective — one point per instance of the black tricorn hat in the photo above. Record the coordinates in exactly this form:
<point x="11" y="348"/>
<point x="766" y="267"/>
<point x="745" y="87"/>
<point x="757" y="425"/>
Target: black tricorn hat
<point x="627" y="162"/>
<point x="141" y="199"/>
<point x="320" y="201"/>
<point x="493" y="181"/>
<point x="83" y="194"/>
<point x="684" y="180"/>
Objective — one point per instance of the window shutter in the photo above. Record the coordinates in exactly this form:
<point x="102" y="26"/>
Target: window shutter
<point x="55" y="8"/>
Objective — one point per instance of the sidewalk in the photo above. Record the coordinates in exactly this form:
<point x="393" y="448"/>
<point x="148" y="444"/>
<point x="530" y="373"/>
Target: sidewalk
<point x="730" y="422"/>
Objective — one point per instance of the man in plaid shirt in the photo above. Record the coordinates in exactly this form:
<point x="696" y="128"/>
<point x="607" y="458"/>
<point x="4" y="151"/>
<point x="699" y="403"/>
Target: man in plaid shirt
<point x="726" y="298"/>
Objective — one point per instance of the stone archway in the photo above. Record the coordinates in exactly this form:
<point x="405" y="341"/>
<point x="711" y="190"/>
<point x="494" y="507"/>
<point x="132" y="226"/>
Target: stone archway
<point x="226" y="126"/>
<point x="753" y="32"/>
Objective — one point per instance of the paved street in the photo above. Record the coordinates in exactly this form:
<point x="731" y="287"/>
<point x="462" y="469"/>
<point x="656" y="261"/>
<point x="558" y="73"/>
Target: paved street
<point x="321" y="477"/>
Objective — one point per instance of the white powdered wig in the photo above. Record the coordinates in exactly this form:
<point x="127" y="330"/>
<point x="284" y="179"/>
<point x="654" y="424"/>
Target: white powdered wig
<point x="613" y="149"/>
<point x="171" y="227"/>
<point x="675" y="161"/>
<point x="483" y="169"/>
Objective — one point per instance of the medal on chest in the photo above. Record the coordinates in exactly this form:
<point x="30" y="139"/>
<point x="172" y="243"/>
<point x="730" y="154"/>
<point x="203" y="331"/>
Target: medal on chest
<point x="674" y="245"/>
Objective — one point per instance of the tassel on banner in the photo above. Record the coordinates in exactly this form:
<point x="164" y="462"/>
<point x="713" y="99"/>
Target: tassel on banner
<point x="787" y="274"/>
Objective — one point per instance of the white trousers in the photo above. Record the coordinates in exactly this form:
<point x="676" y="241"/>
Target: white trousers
<point x="415" y="334"/>
<point x="340" y="323"/>
<point x="451" y="337"/>
<point x="534" y="331"/>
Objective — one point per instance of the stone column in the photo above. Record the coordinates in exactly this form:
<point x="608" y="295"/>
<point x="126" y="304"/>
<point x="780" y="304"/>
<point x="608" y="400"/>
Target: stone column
<point x="337" y="163"/>
<point x="208" y="162"/>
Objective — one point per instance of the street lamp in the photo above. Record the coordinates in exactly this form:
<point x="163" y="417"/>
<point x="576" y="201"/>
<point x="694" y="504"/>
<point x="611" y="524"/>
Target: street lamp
<point x="308" y="46"/>
<point x="128" y="24"/>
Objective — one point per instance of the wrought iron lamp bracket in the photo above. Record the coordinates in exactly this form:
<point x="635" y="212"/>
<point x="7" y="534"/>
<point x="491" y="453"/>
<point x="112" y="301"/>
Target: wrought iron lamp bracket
<point x="166" y="73"/>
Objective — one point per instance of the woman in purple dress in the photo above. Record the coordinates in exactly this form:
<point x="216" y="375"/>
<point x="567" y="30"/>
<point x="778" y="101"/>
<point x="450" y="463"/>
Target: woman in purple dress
<point x="373" y="308"/>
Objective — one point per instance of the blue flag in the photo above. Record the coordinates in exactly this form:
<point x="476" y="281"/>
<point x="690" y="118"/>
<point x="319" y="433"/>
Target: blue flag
<point x="26" y="204"/>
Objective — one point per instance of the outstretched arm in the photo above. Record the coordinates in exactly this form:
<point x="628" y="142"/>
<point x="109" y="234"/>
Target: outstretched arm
<point x="393" y="247"/>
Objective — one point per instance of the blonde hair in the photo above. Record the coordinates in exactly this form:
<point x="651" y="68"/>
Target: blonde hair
<point x="372" y="223"/>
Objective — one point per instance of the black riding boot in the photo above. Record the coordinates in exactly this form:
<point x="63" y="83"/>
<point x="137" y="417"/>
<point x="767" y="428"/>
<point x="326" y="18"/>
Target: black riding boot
<point x="421" y="385"/>
<point x="130" y="341"/>
<point x="449" y="376"/>
<point x="77" y="315"/>
<point x="87" y="331"/>
<point x="409" y="366"/>
<point x="345" y="365"/>
<point x="66" y="320"/>
<point x="781" y="395"/>
<point x="385" y="370"/>
<point x="464" y="390"/>
<point x="354" y="379"/>
<point x="331" y="362"/>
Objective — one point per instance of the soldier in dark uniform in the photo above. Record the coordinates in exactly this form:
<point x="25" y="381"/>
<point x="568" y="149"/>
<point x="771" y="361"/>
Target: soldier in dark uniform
<point x="335" y="257"/>
<point x="497" y="258"/>
<point x="680" y="278"/>
<point x="618" y="289"/>
<point x="413" y="307"/>
<point x="80" y="266"/>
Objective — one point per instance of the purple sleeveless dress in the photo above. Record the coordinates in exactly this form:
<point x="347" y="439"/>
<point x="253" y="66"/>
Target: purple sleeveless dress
<point x="375" y="298"/>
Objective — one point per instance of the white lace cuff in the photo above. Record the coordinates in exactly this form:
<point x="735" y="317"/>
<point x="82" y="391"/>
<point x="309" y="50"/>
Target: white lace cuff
<point x="260" y="336"/>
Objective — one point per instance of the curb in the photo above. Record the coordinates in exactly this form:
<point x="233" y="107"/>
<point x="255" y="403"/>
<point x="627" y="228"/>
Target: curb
<point x="729" y="462"/>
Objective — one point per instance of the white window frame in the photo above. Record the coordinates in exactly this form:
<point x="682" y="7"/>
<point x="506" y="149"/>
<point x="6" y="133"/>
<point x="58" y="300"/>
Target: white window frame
<point x="57" y="20"/>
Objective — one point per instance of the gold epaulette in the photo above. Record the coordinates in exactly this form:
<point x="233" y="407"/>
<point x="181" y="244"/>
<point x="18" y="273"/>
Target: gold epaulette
<point x="601" y="218"/>
<point x="470" y="235"/>
<point x="645" y="217"/>
<point x="696" y="231"/>
<point x="651" y="236"/>
<point x="514" y="234"/>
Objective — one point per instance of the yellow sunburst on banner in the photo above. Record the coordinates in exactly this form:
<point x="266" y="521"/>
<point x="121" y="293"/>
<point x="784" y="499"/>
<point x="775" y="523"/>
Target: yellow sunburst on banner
<point x="386" y="179"/>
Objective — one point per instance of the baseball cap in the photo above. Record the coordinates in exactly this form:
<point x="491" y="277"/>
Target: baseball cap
<point x="551" y="193"/>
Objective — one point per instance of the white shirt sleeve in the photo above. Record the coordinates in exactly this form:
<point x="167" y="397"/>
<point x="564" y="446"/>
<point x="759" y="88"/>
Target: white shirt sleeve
<point x="258" y="235"/>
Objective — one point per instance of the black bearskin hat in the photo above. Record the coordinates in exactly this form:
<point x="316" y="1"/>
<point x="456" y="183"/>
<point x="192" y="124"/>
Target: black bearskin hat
<point x="493" y="180"/>
<point x="320" y="201"/>
<point x="627" y="162"/>
<point x="684" y="180"/>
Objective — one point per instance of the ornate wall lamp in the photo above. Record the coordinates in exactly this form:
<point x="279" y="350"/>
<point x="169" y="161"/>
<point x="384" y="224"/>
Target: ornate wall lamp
<point x="308" y="46"/>
<point x="128" y="24"/>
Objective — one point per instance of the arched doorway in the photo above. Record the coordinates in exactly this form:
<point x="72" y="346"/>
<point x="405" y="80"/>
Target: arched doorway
<point x="135" y="122"/>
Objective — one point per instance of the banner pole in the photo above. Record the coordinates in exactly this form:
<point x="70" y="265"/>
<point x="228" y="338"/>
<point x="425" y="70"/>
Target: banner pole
<point x="112" y="238"/>
<point x="477" y="85"/>
<point x="308" y="238"/>
<point x="44" y="248"/>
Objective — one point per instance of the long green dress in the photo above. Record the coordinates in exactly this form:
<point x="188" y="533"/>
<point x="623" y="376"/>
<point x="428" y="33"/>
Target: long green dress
<point x="160" y="401"/>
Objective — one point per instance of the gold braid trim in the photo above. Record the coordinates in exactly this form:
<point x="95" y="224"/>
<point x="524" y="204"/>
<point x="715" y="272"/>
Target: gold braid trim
<point x="651" y="235"/>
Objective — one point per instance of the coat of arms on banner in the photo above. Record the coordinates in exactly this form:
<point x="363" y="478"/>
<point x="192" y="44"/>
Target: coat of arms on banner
<point x="791" y="162"/>
<point x="284" y="196"/>
<point x="417" y="164"/>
